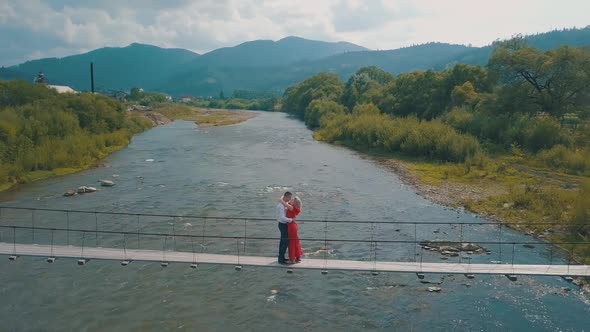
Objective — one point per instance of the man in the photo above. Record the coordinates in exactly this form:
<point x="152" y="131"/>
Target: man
<point x="283" y="220"/>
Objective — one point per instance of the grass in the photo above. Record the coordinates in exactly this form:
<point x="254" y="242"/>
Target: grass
<point x="506" y="188"/>
<point x="509" y="191"/>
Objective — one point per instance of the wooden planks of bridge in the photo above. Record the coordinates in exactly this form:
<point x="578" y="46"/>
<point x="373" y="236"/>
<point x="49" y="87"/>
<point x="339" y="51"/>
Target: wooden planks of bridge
<point x="318" y="264"/>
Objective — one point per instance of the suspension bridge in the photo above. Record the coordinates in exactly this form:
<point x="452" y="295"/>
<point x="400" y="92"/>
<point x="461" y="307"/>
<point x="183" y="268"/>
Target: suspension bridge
<point x="393" y="246"/>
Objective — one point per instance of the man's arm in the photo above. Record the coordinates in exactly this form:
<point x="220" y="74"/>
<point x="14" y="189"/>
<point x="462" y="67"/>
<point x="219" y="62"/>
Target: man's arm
<point x="287" y="206"/>
<point x="281" y="214"/>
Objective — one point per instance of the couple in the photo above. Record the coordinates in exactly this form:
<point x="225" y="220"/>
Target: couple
<point x="287" y="209"/>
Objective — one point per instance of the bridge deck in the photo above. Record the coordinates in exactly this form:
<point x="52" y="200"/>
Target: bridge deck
<point x="319" y="264"/>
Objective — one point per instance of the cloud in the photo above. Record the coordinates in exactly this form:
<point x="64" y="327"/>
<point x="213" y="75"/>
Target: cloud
<point x="36" y="28"/>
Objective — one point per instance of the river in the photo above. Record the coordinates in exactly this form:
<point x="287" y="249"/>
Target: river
<point x="240" y="171"/>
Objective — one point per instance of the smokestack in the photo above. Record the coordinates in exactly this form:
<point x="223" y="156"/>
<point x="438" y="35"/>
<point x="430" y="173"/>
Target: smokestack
<point x="92" y="77"/>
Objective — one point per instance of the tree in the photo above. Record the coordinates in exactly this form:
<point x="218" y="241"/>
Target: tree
<point x="320" y="86"/>
<point x="464" y="95"/>
<point x="558" y="80"/>
<point x="221" y="96"/>
<point x="319" y="108"/>
<point x="365" y="86"/>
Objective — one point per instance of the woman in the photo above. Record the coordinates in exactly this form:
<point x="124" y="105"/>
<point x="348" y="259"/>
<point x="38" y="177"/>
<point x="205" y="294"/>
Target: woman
<point x="293" y="208"/>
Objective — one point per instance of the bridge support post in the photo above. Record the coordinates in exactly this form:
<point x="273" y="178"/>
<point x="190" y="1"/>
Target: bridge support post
<point x="420" y="275"/>
<point x="13" y="257"/>
<point x="194" y="265"/>
<point x="83" y="261"/>
<point x="469" y="276"/>
<point x="51" y="259"/>
<point x="125" y="262"/>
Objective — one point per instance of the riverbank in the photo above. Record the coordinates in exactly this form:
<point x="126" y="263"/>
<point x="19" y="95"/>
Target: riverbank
<point x="159" y="115"/>
<point x="46" y="174"/>
<point x="503" y="191"/>
<point x="203" y="117"/>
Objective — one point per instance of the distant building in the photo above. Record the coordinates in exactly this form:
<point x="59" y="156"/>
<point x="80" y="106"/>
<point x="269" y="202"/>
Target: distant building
<point x="186" y="99"/>
<point x="41" y="79"/>
<point x="62" y="88"/>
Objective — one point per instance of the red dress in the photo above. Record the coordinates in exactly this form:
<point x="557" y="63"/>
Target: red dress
<point x="295" y="251"/>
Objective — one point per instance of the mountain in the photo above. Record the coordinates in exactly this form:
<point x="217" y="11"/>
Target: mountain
<point x="543" y="41"/>
<point x="209" y="80"/>
<point x="264" y="53"/>
<point x="261" y="65"/>
<point x="115" y="68"/>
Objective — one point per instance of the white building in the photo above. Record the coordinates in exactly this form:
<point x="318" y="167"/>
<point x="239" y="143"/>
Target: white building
<point x="62" y="89"/>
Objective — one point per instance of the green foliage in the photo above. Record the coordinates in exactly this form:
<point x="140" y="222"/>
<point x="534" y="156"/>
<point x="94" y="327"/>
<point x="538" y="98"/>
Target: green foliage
<point x="365" y="86"/>
<point x="566" y="160"/>
<point x="558" y="81"/>
<point x="410" y="136"/>
<point x="318" y="109"/>
<point x="320" y="86"/>
<point x="464" y="94"/>
<point x="579" y="217"/>
<point x="41" y="130"/>
<point x="140" y="97"/>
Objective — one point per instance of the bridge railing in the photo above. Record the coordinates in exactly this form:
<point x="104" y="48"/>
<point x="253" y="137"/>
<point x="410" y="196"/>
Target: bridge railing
<point x="324" y="239"/>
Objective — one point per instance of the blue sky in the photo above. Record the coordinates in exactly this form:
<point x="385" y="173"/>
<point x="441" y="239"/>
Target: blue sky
<point x="31" y="29"/>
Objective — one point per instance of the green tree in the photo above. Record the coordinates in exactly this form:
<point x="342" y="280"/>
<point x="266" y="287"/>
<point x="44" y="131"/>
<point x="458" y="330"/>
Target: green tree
<point x="558" y="81"/>
<point x="319" y="108"/>
<point x="320" y="86"/>
<point x="464" y="94"/>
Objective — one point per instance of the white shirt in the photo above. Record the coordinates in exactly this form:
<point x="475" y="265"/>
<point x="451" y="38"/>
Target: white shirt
<point x="281" y="217"/>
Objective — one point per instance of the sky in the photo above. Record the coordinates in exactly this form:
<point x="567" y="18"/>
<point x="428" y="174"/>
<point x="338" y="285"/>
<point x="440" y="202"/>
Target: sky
<point x="32" y="29"/>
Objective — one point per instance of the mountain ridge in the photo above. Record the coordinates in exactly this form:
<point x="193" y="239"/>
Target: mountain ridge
<point x="259" y="65"/>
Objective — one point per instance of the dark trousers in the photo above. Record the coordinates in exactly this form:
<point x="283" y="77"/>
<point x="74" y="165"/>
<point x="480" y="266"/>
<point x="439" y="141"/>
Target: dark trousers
<point x="284" y="243"/>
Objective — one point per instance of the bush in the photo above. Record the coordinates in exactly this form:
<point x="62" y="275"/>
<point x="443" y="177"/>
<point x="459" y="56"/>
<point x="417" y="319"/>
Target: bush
<point x="565" y="159"/>
<point x="432" y="139"/>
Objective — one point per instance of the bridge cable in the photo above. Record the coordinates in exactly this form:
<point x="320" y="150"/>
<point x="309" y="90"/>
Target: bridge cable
<point x="245" y="234"/>
<point x="138" y="245"/>
<point x="326" y="247"/>
<point x="238" y="247"/>
<point x="14" y="240"/>
<point x="68" y="227"/>
<point x="513" y="248"/>
<point x="164" y="248"/>
<point x="203" y="236"/>
<point x="415" y="242"/>
<point x="174" y="232"/>
<point x="193" y="249"/>
<point x="500" y="242"/>
<point x="461" y="240"/>
<point x="33" y="226"/>
<point x="96" y="227"/>
<point x="52" y="244"/>
<point x="125" y="246"/>
<point x="83" y="240"/>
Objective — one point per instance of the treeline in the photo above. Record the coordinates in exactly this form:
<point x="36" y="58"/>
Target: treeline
<point x="523" y="99"/>
<point x="271" y="104"/>
<point x="41" y="130"/>
<point x="526" y="105"/>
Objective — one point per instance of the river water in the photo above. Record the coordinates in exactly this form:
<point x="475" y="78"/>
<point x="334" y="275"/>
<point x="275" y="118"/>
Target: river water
<point x="240" y="171"/>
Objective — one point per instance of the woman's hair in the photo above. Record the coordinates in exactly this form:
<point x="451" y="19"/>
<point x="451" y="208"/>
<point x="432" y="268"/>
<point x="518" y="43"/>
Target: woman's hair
<point x="297" y="202"/>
